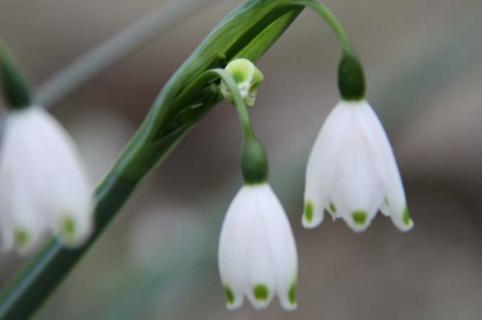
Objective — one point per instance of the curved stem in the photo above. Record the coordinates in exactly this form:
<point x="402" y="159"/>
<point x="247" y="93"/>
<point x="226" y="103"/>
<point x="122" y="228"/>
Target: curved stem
<point x="199" y="83"/>
<point x="330" y="19"/>
<point x="238" y="101"/>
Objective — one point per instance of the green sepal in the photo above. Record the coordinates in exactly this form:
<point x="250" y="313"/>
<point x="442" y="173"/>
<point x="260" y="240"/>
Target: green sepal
<point x="254" y="162"/>
<point x="14" y="86"/>
<point x="351" y="79"/>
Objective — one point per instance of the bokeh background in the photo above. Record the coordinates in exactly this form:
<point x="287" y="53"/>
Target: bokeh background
<point x="423" y="60"/>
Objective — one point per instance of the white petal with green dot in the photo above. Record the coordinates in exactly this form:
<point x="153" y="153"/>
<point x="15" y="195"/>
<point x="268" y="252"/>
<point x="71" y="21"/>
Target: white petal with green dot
<point x="394" y="201"/>
<point x="38" y="150"/>
<point x="320" y="175"/>
<point x="257" y="252"/>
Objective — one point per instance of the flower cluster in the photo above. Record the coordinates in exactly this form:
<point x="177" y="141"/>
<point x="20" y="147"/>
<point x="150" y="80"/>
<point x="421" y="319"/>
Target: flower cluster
<point x="351" y="172"/>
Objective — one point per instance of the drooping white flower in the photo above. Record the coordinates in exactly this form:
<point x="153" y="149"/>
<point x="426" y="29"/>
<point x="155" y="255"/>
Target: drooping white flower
<point x="352" y="172"/>
<point x="257" y="251"/>
<point x="43" y="186"/>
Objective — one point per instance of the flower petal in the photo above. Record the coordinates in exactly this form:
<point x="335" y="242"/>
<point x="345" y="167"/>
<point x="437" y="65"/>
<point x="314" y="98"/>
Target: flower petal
<point x="282" y="246"/>
<point x="394" y="203"/>
<point x="357" y="191"/>
<point x="234" y="245"/>
<point x="322" y="160"/>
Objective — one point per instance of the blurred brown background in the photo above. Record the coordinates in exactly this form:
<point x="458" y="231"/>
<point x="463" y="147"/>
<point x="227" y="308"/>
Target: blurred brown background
<point x="423" y="60"/>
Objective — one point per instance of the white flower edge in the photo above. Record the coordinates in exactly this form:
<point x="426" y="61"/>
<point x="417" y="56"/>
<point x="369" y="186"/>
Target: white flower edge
<point x="40" y="165"/>
<point x="257" y="251"/>
<point x="352" y="171"/>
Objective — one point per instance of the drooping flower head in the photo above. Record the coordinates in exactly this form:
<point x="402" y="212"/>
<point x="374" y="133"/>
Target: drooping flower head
<point x="257" y="252"/>
<point x="352" y="172"/>
<point x="43" y="186"/>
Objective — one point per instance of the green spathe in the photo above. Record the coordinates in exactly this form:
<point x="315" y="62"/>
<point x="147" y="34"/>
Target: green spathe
<point x="247" y="79"/>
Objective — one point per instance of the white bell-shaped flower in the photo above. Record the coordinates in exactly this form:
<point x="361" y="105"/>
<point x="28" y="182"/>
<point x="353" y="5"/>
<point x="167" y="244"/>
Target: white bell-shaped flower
<point x="257" y="251"/>
<point x="43" y="186"/>
<point x="352" y="172"/>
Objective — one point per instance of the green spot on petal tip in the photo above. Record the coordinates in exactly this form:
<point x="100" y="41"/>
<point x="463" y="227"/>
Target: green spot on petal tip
<point x="229" y="294"/>
<point x="22" y="238"/>
<point x="332" y="207"/>
<point x="68" y="228"/>
<point x="292" y="293"/>
<point x="309" y="211"/>
<point x="359" y="217"/>
<point x="406" y="218"/>
<point x="261" y="292"/>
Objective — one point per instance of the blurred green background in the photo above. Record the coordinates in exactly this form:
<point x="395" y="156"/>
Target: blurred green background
<point x="423" y="61"/>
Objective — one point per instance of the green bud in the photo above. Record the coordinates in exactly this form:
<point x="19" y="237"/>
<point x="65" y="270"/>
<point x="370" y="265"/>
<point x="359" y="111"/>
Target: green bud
<point x="13" y="84"/>
<point x="351" y="80"/>
<point x="247" y="78"/>
<point x="254" y="162"/>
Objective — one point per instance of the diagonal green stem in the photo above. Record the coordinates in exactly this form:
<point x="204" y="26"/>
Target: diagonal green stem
<point x="248" y="31"/>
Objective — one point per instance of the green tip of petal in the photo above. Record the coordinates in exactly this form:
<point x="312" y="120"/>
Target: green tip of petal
<point x="22" y="238"/>
<point x="406" y="218"/>
<point x="261" y="292"/>
<point x="359" y="217"/>
<point x="292" y="293"/>
<point x="228" y="292"/>
<point x="332" y="208"/>
<point x="67" y="229"/>
<point x="309" y="211"/>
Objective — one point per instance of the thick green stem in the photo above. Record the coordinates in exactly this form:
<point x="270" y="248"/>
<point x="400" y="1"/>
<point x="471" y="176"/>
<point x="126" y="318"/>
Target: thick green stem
<point x="249" y="31"/>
